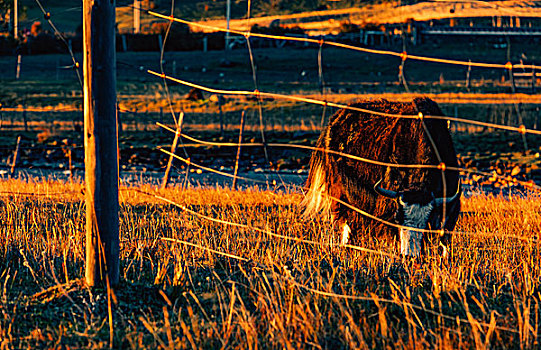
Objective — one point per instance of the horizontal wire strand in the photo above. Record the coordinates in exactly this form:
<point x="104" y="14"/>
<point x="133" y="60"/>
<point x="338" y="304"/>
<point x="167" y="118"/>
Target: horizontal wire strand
<point x="526" y="184"/>
<point x="352" y="207"/>
<point x="290" y="278"/>
<point x="521" y="129"/>
<point x="349" y="47"/>
<point x="265" y="231"/>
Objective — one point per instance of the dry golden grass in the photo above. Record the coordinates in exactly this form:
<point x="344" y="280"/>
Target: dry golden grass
<point x="278" y="293"/>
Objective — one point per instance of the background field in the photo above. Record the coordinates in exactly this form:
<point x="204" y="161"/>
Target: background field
<point x="347" y="76"/>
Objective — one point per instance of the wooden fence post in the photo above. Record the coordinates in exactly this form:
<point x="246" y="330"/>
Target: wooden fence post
<point x="171" y="156"/>
<point x="135" y="120"/>
<point x="221" y="114"/>
<point x="533" y="80"/>
<point x="101" y="142"/>
<point x="241" y="131"/>
<point x="468" y="76"/>
<point x="18" y="70"/>
<point x="70" y="165"/>
<point x="512" y="79"/>
<point x="25" y="121"/>
<point x="15" y="156"/>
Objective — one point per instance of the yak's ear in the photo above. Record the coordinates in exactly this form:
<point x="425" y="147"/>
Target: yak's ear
<point x="426" y="106"/>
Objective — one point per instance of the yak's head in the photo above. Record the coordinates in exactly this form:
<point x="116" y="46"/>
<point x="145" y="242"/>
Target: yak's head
<point x="416" y="209"/>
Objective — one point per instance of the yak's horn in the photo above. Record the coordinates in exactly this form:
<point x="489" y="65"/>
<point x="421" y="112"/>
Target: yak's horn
<point x="440" y="201"/>
<point x="384" y="192"/>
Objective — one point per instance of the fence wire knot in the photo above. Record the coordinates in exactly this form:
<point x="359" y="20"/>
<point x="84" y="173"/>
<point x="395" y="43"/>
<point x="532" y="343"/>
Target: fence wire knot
<point x="509" y="66"/>
<point x="404" y="55"/>
<point x="442" y="166"/>
<point x="420" y="115"/>
<point x="47" y="15"/>
<point x="522" y="129"/>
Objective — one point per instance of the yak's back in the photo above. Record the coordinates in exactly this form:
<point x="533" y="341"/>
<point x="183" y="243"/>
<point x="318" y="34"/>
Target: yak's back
<point x="374" y="130"/>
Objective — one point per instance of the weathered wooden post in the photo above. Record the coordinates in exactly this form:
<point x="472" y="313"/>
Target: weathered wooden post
<point x="533" y="79"/>
<point x="241" y="131"/>
<point x="511" y="77"/>
<point x="70" y="165"/>
<point x="25" y="120"/>
<point x="100" y="140"/>
<point x="468" y="76"/>
<point x="165" y="180"/>
<point x="15" y="157"/>
<point x="18" y="70"/>
<point x="221" y="114"/>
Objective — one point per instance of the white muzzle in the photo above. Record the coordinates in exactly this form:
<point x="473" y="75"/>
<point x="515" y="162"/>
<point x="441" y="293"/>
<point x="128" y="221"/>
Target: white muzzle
<point x="410" y="242"/>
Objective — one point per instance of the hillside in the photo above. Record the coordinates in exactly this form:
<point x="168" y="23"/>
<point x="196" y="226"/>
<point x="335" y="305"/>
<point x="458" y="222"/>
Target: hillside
<point x="324" y="22"/>
<point x="67" y="17"/>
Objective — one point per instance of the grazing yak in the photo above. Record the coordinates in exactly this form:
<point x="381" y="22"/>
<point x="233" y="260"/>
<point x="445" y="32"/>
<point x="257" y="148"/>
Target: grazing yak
<point x="414" y="197"/>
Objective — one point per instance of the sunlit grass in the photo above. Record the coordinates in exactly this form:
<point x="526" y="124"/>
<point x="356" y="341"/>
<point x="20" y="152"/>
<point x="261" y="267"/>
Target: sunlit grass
<point x="281" y="294"/>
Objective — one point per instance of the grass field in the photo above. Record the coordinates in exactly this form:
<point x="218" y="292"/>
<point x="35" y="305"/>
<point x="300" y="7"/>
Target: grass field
<point x="253" y="273"/>
<point x="179" y="289"/>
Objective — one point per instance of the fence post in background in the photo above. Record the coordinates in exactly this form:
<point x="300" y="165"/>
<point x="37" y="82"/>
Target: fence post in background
<point x="70" y="165"/>
<point x="136" y="16"/>
<point x="101" y="143"/>
<point x="533" y="79"/>
<point x="511" y="77"/>
<point x="124" y="43"/>
<point x="25" y="121"/>
<point x="171" y="157"/>
<point x="15" y="156"/>
<point x="241" y="131"/>
<point x="18" y="71"/>
<point x="135" y="121"/>
<point x="205" y="43"/>
<point x="401" y="75"/>
<point x="468" y="76"/>
<point x="160" y="42"/>
<point x="15" y="19"/>
<point x="227" y="16"/>
<point x="221" y="113"/>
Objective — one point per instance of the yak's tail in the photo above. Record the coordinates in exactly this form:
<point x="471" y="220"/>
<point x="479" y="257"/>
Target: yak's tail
<point x="317" y="195"/>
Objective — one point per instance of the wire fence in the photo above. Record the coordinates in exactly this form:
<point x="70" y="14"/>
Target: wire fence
<point x="521" y="129"/>
<point x="177" y="130"/>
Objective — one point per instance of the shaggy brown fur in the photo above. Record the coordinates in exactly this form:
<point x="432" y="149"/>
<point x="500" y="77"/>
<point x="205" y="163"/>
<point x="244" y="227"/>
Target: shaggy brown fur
<point x="386" y="139"/>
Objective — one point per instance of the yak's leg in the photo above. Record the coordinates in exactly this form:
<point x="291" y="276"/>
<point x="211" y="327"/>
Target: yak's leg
<point x="453" y="210"/>
<point x="340" y="224"/>
<point x="346" y="233"/>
